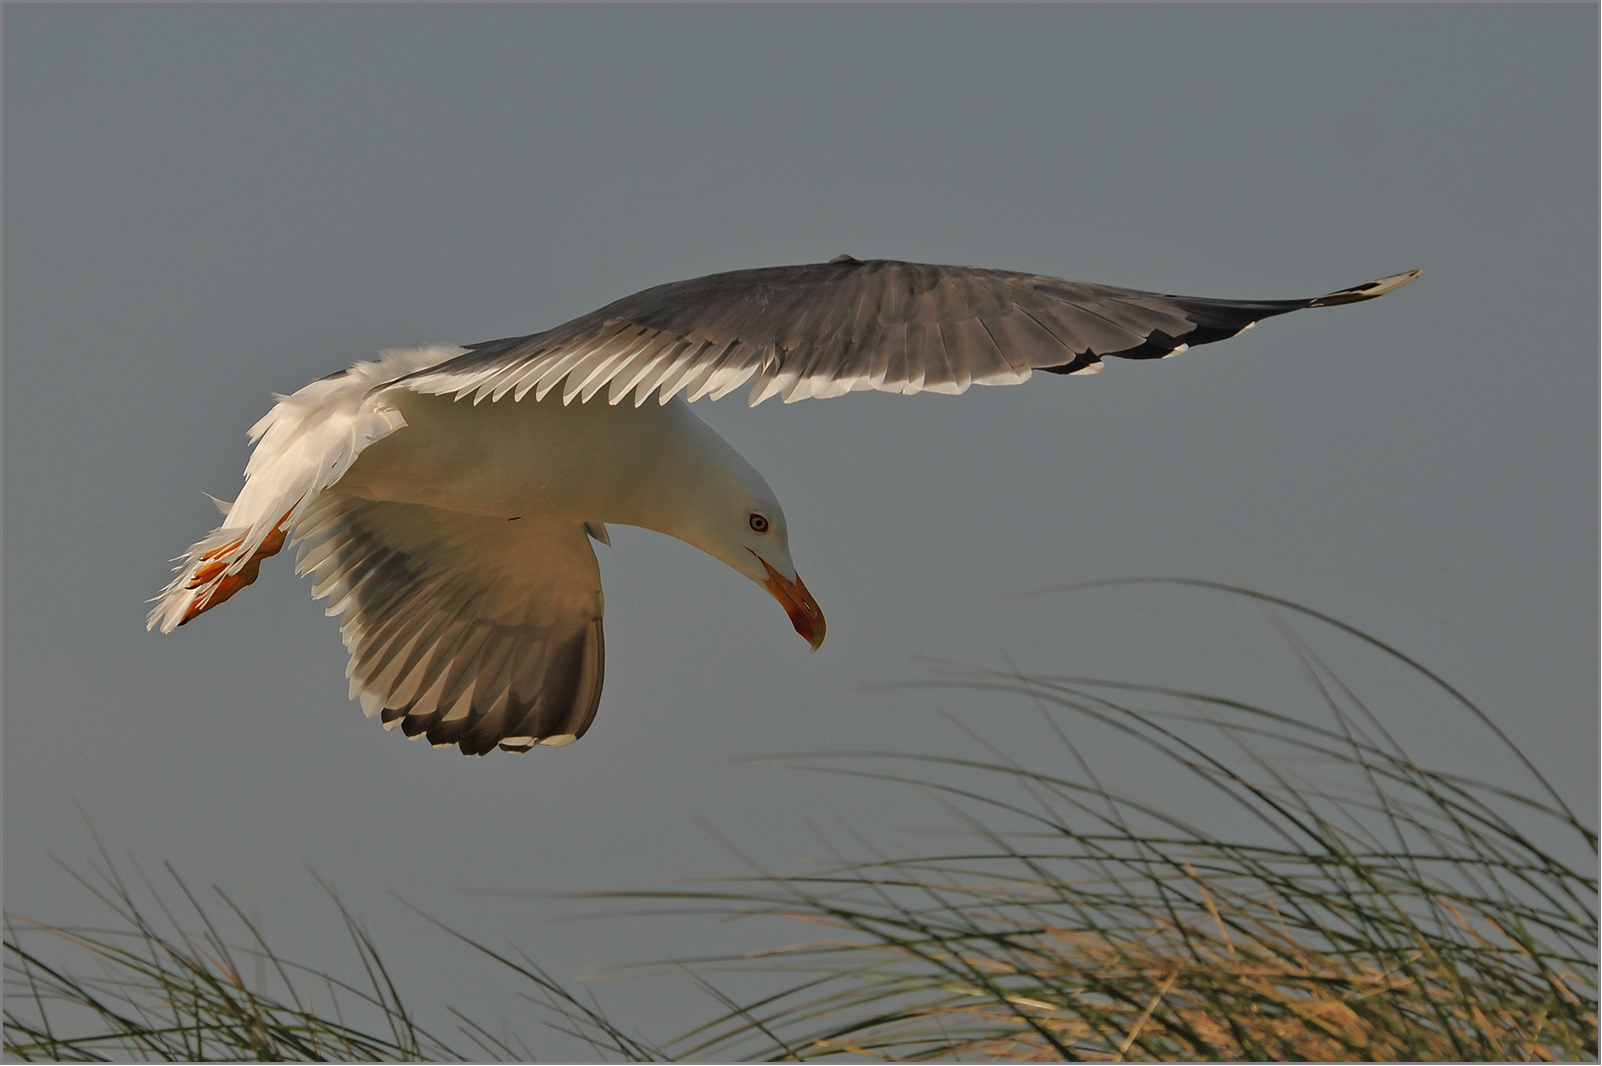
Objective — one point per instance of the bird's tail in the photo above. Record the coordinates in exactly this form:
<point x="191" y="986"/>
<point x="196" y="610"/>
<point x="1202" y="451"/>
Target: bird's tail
<point x="302" y="446"/>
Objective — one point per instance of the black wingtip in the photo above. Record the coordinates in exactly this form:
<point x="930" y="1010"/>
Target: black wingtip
<point x="1368" y="291"/>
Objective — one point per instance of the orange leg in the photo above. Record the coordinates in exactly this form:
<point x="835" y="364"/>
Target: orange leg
<point x="216" y="561"/>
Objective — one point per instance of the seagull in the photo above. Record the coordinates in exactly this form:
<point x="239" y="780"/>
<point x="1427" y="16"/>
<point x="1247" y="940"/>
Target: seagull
<point x="453" y="534"/>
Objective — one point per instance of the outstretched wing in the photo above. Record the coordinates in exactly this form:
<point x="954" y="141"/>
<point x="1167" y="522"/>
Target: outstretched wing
<point x="468" y="630"/>
<point x="826" y="329"/>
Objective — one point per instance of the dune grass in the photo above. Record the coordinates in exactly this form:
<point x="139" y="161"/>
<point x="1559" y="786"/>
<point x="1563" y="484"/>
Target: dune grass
<point x="1377" y="909"/>
<point x="176" y="989"/>
<point x="1383" y="911"/>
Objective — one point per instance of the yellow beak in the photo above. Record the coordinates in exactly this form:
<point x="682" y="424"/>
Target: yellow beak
<point x="804" y="612"/>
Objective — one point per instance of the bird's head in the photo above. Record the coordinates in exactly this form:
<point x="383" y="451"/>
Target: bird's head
<point x="741" y="523"/>
<point x="757" y="544"/>
<point x="718" y="502"/>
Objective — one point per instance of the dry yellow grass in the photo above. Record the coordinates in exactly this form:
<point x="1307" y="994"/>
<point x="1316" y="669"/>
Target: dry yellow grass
<point x="1219" y="999"/>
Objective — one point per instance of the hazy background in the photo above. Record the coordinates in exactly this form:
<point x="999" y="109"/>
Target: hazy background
<point x="206" y="204"/>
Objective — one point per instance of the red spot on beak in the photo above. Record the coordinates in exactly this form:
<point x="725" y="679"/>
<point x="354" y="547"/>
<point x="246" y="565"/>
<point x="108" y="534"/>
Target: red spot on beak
<point x="804" y="612"/>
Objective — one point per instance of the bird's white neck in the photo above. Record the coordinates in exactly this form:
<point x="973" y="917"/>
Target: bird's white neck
<point x="697" y="473"/>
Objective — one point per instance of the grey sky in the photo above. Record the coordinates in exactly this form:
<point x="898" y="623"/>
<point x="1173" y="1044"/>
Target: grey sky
<point x="205" y="204"/>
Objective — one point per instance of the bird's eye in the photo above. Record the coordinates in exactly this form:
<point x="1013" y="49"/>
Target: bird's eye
<point x="759" y="522"/>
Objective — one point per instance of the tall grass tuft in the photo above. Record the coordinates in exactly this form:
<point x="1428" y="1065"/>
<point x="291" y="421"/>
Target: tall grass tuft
<point x="1360" y="906"/>
<point x="175" y="990"/>
<point x="1381" y="909"/>
<point x="178" y="990"/>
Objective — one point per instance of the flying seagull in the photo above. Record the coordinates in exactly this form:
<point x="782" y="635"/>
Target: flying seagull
<point x="453" y="536"/>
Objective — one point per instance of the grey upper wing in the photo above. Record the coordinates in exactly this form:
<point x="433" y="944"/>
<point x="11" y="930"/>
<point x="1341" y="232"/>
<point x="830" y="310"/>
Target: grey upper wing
<point x="825" y="329"/>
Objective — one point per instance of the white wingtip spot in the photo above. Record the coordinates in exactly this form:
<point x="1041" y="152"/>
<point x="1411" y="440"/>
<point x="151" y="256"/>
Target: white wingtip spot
<point x="1247" y="326"/>
<point x="1176" y="351"/>
<point x="560" y="740"/>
